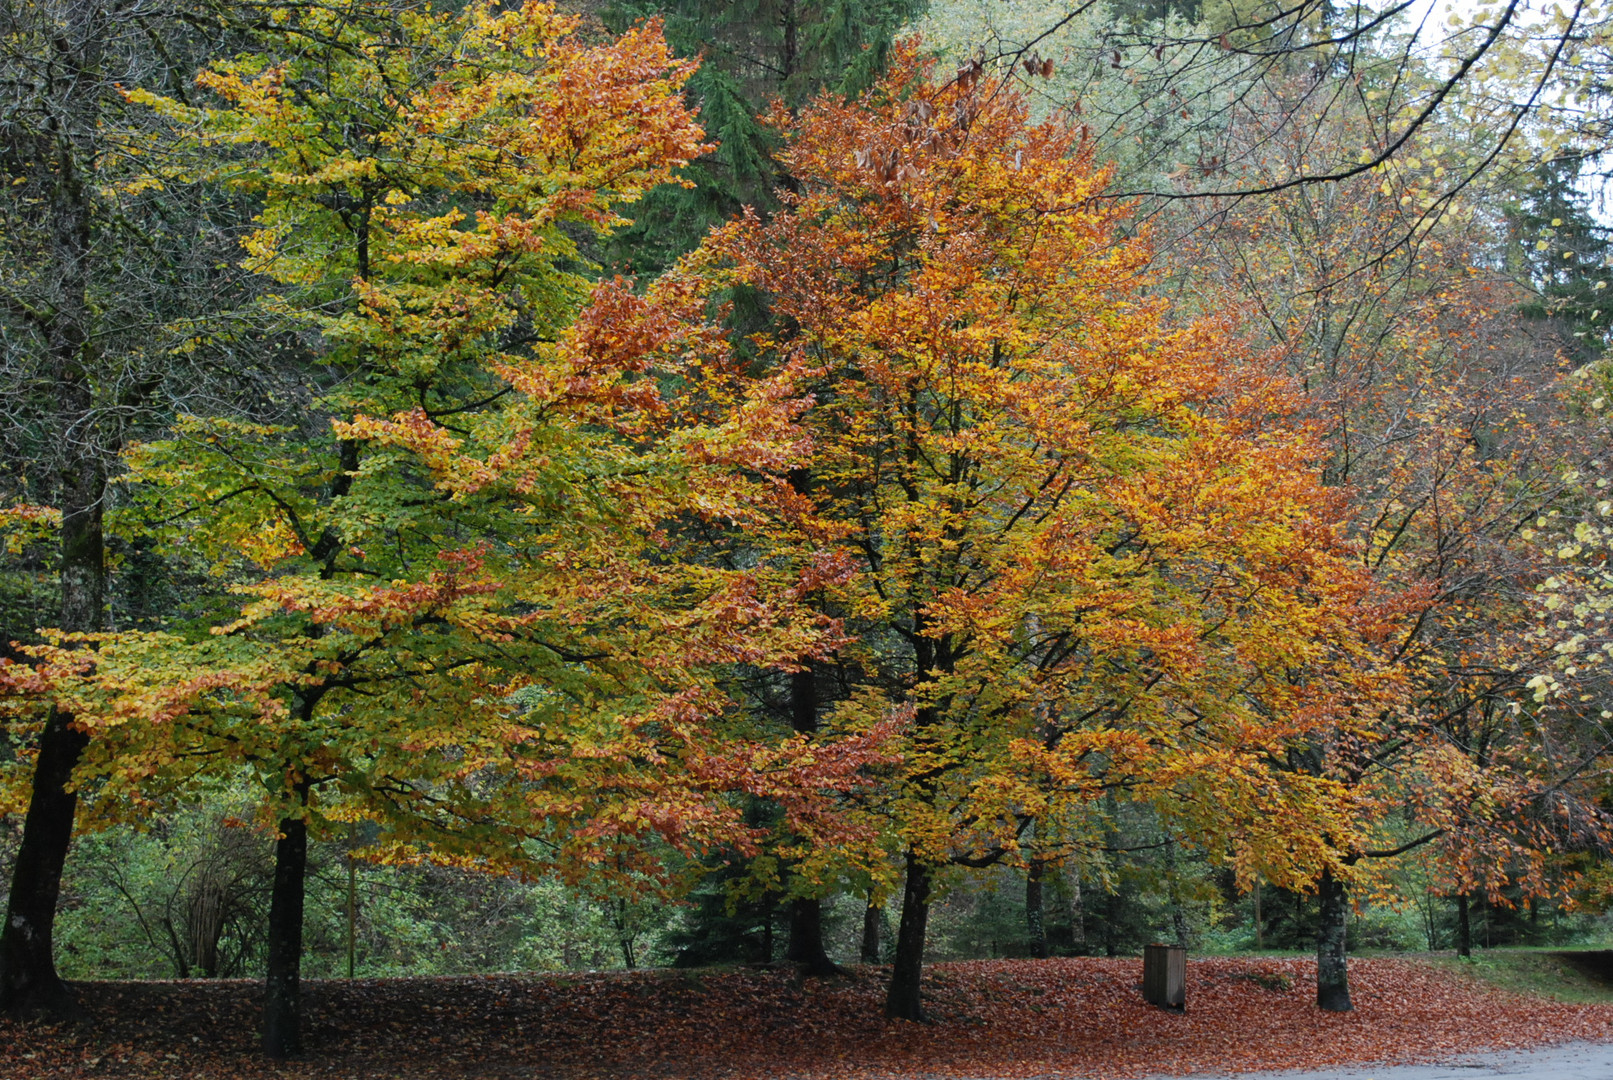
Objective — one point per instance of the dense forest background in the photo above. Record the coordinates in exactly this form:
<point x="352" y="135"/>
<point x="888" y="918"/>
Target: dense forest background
<point x="384" y="391"/>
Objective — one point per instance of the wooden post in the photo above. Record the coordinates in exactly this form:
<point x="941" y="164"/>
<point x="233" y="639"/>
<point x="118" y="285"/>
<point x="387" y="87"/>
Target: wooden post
<point x="1165" y="976"/>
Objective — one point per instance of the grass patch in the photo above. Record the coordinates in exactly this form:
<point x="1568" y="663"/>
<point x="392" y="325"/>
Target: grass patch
<point x="1581" y="978"/>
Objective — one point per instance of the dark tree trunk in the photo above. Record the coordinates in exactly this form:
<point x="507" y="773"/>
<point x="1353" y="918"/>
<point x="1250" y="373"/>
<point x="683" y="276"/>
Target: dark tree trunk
<point x="282" y="1007"/>
<point x="1332" y="974"/>
<point x="806" y="937"/>
<point x="1464" y="927"/>
<point x="1111" y="944"/>
<point x="806" y="912"/>
<point x="1035" y="925"/>
<point x="873" y="921"/>
<point x="1260" y="922"/>
<point x="1178" y="912"/>
<point x="903" y="1002"/>
<point x="28" y="979"/>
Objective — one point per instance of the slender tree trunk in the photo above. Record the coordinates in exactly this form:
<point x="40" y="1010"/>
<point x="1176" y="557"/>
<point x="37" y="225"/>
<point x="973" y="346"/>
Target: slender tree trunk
<point x="806" y="912"/>
<point x="1260" y="922"/>
<point x="903" y="1001"/>
<point x="282" y="1008"/>
<point x="1178" y="913"/>
<point x="873" y="920"/>
<point x="1464" y="927"/>
<point x="1111" y="944"/>
<point x="1078" y="916"/>
<point x="1035" y="924"/>
<point x="352" y="904"/>
<point x="1332" y="974"/>
<point x="791" y="49"/>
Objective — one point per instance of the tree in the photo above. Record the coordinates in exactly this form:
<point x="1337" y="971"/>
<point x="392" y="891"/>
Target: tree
<point x="1501" y="77"/>
<point x="1562" y="252"/>
<point x="105" y="275"/>
<point x="465" y="616"/>
<point x="1084" y="543"/>
<point x="754" y="55"/>
<point x="1445" y="431"/>
<point x="751" y="55"/>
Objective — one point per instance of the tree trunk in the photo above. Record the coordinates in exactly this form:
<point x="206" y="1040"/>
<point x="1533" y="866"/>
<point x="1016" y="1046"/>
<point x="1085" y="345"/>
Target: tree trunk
<point x="1178" y="913"/>
<point x="1464" y="927"/>
<point x="282" y="1007"/>
<point x="873" y="921"/>
<point x="352" y="910"/>
<point x="205" y="923"/>
<point x="1260" y="922"/>
<point x="806" y="912"/>
<point x="28" y="980"/>
<point x="806" y="937"/>
<point x="903" y="1001"/>
<point x="1035" y="926"/>
<point x="769" y="910"/>
<point x="1332" y="975"/>
<point x="1111" y="946"/>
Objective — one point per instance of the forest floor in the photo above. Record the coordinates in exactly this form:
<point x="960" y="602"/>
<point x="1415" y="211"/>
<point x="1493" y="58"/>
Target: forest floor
<point x="1004" y="1018"/>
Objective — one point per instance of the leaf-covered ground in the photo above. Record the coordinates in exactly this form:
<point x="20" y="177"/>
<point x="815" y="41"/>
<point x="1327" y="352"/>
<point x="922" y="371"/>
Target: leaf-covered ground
<point x="1015" y="1018"/>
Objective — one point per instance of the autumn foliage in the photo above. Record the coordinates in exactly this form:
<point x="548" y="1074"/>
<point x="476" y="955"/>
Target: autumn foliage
<point x="1090" y="551"/>
<point x="526" y="572"/>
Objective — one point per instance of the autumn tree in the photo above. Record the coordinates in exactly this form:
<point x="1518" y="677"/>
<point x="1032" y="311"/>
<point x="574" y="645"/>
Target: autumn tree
<point x="1443" y="418"/>
<point x="109" y="285"/>
<point x="462" y="613"/>
<point x="1088" y="551"/>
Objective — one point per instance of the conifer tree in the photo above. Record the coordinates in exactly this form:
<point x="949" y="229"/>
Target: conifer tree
<point x="1563" y="254"/>
<point x="751" y="54"/>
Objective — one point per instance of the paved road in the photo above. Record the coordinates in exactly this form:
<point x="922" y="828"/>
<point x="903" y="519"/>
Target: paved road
<point x="1575" y="1061"/>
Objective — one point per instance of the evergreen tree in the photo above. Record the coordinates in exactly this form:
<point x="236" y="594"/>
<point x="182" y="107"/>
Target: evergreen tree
<point x="1563" y="253"/>
<point x="753" y="53"/>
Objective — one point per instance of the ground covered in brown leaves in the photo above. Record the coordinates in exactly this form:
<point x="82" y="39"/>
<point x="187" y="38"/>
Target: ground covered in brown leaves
<point x="1010" y="1018"/>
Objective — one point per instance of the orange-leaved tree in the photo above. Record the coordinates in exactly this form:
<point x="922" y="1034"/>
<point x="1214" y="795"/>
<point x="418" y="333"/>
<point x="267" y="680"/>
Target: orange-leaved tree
<point x="1445" y="428"/>
<point x="458" y="607"/>
<point x="1090" y="550"/>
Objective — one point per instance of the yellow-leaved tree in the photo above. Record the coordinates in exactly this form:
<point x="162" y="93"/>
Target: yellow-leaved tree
<point x="458" y="608"/>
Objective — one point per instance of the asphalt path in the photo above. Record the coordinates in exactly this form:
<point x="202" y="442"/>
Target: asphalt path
<point x="1572" y="1061"/>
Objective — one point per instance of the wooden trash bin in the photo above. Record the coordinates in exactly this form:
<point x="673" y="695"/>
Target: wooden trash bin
<point x="1165" y="976"/>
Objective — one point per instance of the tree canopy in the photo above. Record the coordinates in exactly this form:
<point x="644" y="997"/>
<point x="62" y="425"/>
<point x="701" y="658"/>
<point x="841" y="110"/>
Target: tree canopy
<point x="744" y="452"/>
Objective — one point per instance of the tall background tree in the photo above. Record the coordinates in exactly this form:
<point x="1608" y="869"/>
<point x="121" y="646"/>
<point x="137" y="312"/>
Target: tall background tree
<point x="751" y="55"/>
<point x="109" y="288"/>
